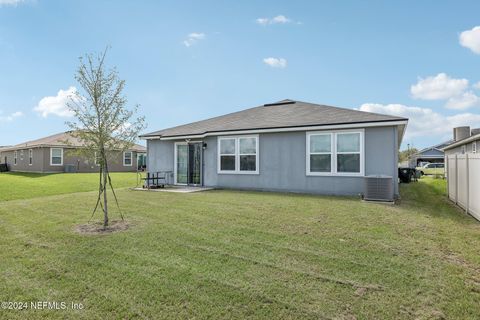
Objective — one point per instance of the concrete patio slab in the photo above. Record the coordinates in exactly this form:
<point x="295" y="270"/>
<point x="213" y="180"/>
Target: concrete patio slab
<point x="177" y="189"/>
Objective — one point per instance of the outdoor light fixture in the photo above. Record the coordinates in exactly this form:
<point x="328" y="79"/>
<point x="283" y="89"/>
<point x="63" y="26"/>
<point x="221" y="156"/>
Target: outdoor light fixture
<point x="204" y="146"/>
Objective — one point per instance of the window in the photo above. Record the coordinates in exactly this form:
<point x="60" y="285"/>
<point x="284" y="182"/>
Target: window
<point x="321" y="152"/>
<point x="56" y="156"/>
<point x="238" y="155"/>
<point x="248" y="154"/>
<point x="335" y="153"/>
<point x="127" y="158"/>
<point x="21" y="155"/>
<point x="474" y="147"/>
<point x="30" y="157"/>
<point x="348" y="152"/>
<point x="15" y="156"/>
<point x="227" y="154"/>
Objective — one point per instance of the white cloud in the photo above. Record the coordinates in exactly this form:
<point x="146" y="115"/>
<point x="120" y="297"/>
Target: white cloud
<point x="56" y="105"/>
<point x="456" y="92"/>
<point x="477" y="85"/>
<point x="275" y="62"/>
<point x="464" y="101"/>
<point x="193" y="38"/>
<point x="10" y="117"/>
<point x="13" y="3"/>
<point x="471" y="39"/>
<point x="262" y="21"/>
<point x="439" y="87"/>
<point x="280" y="19"/>
<point x="424" y="121"/>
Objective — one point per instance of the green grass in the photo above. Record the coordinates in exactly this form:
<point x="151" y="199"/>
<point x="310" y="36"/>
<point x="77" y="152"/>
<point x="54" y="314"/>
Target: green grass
<point x="228" y="254"/>
<point x="16" y="185"/>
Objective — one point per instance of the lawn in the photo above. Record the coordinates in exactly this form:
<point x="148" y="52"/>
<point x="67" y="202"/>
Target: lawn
<point x="229" y="254"/>
<point x="16" y="185"/>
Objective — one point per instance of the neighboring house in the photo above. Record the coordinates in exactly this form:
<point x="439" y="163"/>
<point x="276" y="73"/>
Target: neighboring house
<point x="463" y="169"/>
<point x="287" y="146"/>
<point x="54" y="154"/>
<point x="465" y="141"/>
<point x="433" y="154"/>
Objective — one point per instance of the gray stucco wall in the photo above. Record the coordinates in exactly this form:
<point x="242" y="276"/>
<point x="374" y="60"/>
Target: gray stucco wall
<point x="41" y="161"/>
<point x="282" y="164"/>
<point x="468" y="148"/>
<point x="23" y="161"/>
<point x="160" y="155"/>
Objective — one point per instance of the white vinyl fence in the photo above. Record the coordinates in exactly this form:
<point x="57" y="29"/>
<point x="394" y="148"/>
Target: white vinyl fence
<point x="463" y="174"/>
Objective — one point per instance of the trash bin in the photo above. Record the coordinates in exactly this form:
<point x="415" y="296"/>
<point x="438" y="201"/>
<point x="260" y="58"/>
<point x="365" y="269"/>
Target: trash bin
<point x="405" y="174"/>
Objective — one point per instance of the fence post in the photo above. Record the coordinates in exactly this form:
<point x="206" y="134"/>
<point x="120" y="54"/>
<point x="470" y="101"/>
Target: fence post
<point x="456" y="179"/>
<point x="468" y="182"/>
<point x="447" y="176"/>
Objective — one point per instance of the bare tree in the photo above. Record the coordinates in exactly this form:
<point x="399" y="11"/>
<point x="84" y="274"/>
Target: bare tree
<point x="102" y="121"/>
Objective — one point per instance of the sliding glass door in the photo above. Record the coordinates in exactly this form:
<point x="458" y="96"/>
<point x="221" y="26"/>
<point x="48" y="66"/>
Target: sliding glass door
<point x="182" y="164"/>
<point x="188" y="162"/>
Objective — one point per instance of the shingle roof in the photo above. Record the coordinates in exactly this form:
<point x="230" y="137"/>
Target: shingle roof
<point x="282" y="114"/>
<point x="475" y="137"/>
<point x="59" y="140"/>
<point x="439" y="147"/>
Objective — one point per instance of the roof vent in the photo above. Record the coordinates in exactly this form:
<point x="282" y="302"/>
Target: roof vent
<point x="279" y="103"/>
<point x="378" y="188"/>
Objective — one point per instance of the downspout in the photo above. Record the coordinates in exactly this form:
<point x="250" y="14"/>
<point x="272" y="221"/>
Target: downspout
<point x="202" y="183"/>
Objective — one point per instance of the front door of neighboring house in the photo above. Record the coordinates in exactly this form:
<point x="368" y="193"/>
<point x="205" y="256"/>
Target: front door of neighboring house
<point x="188" y="163"/>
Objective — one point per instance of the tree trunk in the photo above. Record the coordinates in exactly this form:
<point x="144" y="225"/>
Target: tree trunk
<point x="105" y="204"/>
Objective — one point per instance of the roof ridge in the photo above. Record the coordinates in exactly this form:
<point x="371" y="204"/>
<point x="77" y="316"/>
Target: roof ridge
<point x="354" y="110"/>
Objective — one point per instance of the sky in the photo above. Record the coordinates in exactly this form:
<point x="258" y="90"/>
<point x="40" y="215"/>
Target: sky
<point x="185" y="61"/>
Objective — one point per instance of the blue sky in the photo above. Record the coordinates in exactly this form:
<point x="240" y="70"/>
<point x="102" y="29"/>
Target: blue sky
<point x="189" y="60"/>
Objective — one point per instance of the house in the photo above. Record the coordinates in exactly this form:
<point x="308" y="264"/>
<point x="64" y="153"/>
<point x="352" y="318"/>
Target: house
<point x="56" y="153"/>
<point x="433" y="154"/>
<point x="463" y="169"/>
<point x="464" y="141"/>
<point x="289" y="146"/>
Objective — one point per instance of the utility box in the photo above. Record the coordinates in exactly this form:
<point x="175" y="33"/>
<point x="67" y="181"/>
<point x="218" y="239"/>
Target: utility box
<point x="378" y="188"/>
<point x="70" y="168"/>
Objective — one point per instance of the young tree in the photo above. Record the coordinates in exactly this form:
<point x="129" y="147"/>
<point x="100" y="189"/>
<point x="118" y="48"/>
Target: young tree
<point x="406" y="154"/>
<point x="102" y="121"/>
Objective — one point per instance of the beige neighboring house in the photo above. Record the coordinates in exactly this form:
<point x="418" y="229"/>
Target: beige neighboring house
<point x="53" y="154"/>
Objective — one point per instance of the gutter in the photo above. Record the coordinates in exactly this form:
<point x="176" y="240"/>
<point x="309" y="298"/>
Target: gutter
<point x="283" y="129"/>
<point x="462" y="142"/>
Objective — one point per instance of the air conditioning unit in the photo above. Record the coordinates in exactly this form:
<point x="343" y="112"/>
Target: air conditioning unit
<point x="70" y="168"/>
<point x="378" y="188"/>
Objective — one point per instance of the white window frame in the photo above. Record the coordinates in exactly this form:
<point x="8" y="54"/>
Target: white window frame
<point x="334" y="153"/>
<point x="131" y="159"/>
<point x="15" y="158"/>
<point x="474" y="147"/>
<point x="237" y="154"/>
<point x="61" y="157"/>
<point x="30" y="157"/>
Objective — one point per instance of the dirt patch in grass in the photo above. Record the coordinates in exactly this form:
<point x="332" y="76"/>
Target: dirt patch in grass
<point x="97" y="227"/>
